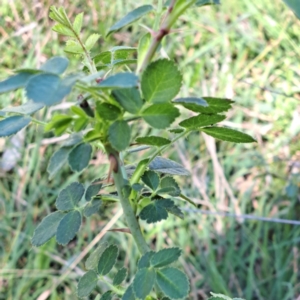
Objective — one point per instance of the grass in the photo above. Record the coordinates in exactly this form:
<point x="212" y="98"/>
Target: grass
<point x="246" y="51"/>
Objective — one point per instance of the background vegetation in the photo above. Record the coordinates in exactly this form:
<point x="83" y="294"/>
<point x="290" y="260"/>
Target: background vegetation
<point x="243" y="50"/>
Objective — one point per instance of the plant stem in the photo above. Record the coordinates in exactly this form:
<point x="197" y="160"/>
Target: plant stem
<point x="121" y="184"/>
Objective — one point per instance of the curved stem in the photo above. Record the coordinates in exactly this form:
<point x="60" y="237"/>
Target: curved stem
<point x="121" y="184"/>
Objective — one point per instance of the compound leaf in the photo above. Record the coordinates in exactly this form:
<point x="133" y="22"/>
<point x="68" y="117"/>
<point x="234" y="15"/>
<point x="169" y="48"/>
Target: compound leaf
<point x="143" y="282"/>
<point x="47" y="228"/>
<point x="131" y="17"/>
<point x="92" y="261"/>
<point x="93" y="190"/>
<point x="129" y="295"/>
<point x="173" y="283"/>
<point x="107" y="111"/>
<point x="167" y="166"/>
<point x="15" y="82"/>
<point x="91" y="41"/>
<point x="119" y="135"/>
<point x="26" y="109"/>
<point x="92" y="207"/>
<point x="161" y="115"/>
<point x="168" y="185"/>
<point x="68" y="227"/>
<point x="213" y="105"/>
<point x="156" y="210"/>
<point x="227" y="134"/>
<point x="120" y="276"/>
<point x="151" y="179"/>
<point x="165" y="257"/>
<point x="161" y="81"/>
<point x="80" y="156"/>
<point x="144" y="261"/>
<point x="119" y="81"/>
<point x="12" y="125"/>
<point x="129" y="99"/>
<point x="201" y="121"/>
<point x="56" y="65"/>
<point x="176" y="211"/>
<point x="69" y="197"/>
<point x="108" y="259"/>
<point x="77" y="25"/>
<point x="153" y="141"/>
<point x="57" y="160"/>
<point x="87" y="283"/>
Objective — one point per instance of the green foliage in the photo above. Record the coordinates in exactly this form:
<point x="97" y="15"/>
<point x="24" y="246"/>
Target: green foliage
<point x="120" y="276"/>
<point x="130" y="18"/>
<point x="69" y="197"/>
<point x="87" y="283"/>
<point x="108" y="259"/>
<point x="173" y="283"/>
<point x="168" y="185"/>
<point x="151" y="179"/>
<point x="15" y="82"/>
<point x="165" y="257"/>
<point x="107" y="295"/>
<point x="167" y="166"/>
<point x="120" y="81"/>
<point x="47" y="228"/>
<point x="119" y="135"/>
<point x="68" y="227"/>
<point x="56" y="65"/>
<point x="80" y="156"/>
<point x="129" y="99"/>
<point x="93" y="190"/>
<point x="201" y="121"/>
<point x="92" y="207"/>
<point x="92" y="261"/>
<point x="161" y="81"/>
<point x="12" y="125"/>
<point x="227" y="134"/>
<point x="221" y="297"/>
<point x="26" y="109"/>
<point x="153" y="141"/>
<point x="143" y="282"/>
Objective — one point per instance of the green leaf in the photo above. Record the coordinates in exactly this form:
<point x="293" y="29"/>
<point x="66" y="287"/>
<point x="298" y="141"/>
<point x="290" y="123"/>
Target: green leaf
<point x="153" y="141"/>
<point x="131" y="17"/>
<point x="59" y="123"/>
<point x="63" y="30"/>
<point x="92" y="261"/>
<point x="49" y="89"/>
<point x="176" y="211"/>
<point x="160" y="116"/>
<point x="92" y="136"/>
<point x="107" y="111"/>
<point x="69" y="197"/>
<point x="73" y="47"/>
<point x="87" y="284"/>
<point x="143" y="282"/>
<point x="119" y="134"/>
<point x="161" y="81"/>
<point x="156" y="211"/>
<point x="68" y="227"/>
<point x="12" y="125"/>
<point x="47" y="228"/>
<point x="165" y="257"/>
<point x="26" y="109"/>
<point x="294" y="5"/>
<point x="92" y="207"/>
<point x="129" y="99"/>
<point x="57" y="160"/>
<point x="144" y="261"/>
<point x="80" y="156"/>
<point x="93" y="190"/>
<point x="169" y="186"/>
<point x="108" y="259"/>
<point x="151" y="179"/>
<point x="167" y="166"/>
<point x="56" y="65"/>
<point x="227" y="134"/>
<point x="173" y="283"/>
<point x="129" y="295"/>
<point x="124" y="80"/>
<point x="120" y="276"/>
<point x="107" y="295"/>
<point x="201" y="121"/>
<point x="215" y="105"/>
<point x="143" y="47"/>
<point x="72" y="140"/>
<point x="207" y="2"/>
<point x="91" y="41"/>
<point x="15" y="82"/>
<point x="77" y="25"/>
<point x="80" y="123"/>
